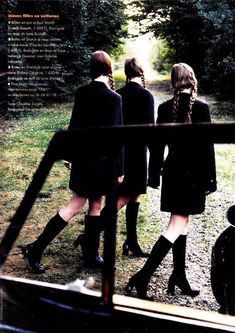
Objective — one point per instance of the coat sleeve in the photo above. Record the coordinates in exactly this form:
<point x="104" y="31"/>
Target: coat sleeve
<point x="156" y="158"/>
<point x="208" y="156"/>
<point x="74" y="120"/>
<point x="150" y="109"/>
<point x="117" y="120"/>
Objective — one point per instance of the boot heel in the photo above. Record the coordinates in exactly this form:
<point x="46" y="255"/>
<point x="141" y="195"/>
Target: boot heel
<point x="171" y="286"/>
<point x="129" y="287"/>
<point x="33" y="259"/>
<point x="183" y="285"/>
<point x="125" y="250"/>
<point x="78" y="241"/>
<point x="135" y="249"/>
<point x="140" y="286"/>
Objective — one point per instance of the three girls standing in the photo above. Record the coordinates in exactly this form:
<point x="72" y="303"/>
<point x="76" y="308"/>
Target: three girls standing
<point x="188" y="172"/>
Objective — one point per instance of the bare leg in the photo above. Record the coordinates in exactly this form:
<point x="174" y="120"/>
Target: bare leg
<point x="89" y="241"/>
<point x="73" y="208"/>
<point x="95" y="206"/>
<point x="178" y="225"/>
<point x="177" y="232"/>
<point x="122" y="201"/>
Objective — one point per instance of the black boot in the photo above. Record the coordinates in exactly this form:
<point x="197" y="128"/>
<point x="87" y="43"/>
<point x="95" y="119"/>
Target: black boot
<point x="131" y="243"/>
<point x="79" y="241"/>
<point x="90" y="242"/>
<point x="178" y="276"/>
<point x="140" y="280"/>
<point x="33" y="252"/>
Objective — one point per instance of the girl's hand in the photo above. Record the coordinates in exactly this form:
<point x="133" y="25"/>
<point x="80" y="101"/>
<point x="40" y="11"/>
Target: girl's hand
<point x="120" y="179"/>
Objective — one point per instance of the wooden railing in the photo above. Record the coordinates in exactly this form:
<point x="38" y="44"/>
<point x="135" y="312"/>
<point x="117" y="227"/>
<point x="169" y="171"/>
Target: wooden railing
<point x="61" y="148"/>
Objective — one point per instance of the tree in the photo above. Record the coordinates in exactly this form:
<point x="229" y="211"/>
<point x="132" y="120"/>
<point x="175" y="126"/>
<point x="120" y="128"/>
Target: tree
<point x="3" y="58"/>
<point x="91" y="25"/>
<point x="218" y="38"/>
<point x="200" y="33"/>
<point x="87" y="25"/>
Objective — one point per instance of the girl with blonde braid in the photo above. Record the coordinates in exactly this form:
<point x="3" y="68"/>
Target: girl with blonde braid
<point x="188" y="175"/>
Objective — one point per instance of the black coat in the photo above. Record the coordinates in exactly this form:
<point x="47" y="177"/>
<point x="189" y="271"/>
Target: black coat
<point x="138" y="108"/>
<point x="92" y="170"/>
<point x="188" y="171"/>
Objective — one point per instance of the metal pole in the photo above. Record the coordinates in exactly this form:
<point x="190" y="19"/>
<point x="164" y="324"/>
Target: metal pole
<point x="108" y="281"/>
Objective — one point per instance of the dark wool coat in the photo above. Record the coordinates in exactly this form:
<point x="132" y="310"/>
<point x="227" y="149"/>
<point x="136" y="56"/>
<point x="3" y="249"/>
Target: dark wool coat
<point x="188" y="171"/>
<point x="92" y="170"/>
<point x="138" y="108"/>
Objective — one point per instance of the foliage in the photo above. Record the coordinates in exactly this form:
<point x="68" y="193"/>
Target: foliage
<point x="91" y="25"/>
<point x="120" y="80"/>
<point x="201" y="33"/>
<point x="218" y="37"/>
<point x="88" y="25"/>
<point x="163" y="56"/>
<point x="3" y="57"/>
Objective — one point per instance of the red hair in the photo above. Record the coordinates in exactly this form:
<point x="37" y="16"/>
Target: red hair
<point x="100" y="64"/>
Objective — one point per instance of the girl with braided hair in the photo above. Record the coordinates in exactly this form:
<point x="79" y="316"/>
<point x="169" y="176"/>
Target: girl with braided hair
<point x="92" y="171"/>
<point x="188" y="175"/>
<point x="137" y="108"/>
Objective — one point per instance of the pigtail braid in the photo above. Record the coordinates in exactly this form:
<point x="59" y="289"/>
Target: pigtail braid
<point x="189" y="114"/>
<point x="143" y="79"/>
<point x="175" y="104"/>
<point x="111" y="82"/>
<point x="191" y="102"/>
<point x="183" y="77"/>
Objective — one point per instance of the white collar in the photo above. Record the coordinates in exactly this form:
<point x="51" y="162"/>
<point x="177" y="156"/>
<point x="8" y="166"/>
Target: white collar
<point x="187" y="90"/>
<point x="136" y="79"/>
<point x="104" y="79"/>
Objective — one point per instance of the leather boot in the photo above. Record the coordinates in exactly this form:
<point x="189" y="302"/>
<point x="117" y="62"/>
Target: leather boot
<point x="131" y="243"/>
<point x="90" y="242"/>
<point x="33" y="252"/>
<point x="140" y="280"/>
<point x="178" y="276"/>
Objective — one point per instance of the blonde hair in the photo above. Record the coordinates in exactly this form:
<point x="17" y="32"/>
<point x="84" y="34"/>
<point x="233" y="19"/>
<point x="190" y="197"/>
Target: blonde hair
<point x="133" y="69"/>
<point x="101" y="64"/>
<point x="183" y="77"/>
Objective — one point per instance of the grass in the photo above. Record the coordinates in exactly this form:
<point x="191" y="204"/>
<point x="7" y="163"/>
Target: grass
<point x="119" y="80"/>
<point x="24" y="145"/>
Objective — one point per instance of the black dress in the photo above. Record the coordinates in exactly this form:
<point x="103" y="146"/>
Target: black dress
<point x="188" y="171"/>
<point x="137" y="108"/>
<point x="93" y="168"/>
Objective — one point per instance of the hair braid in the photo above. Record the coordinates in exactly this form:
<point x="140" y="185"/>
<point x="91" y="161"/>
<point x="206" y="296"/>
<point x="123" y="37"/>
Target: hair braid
<point x="189" y="113"/>
<point x="111" y="82"/>
<point x="143" y="79"/>
<point x="133" y="70"/>
<point x="175" y="104"/>
<point x="183" y="77"/>
<point x="191" y="102"/>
